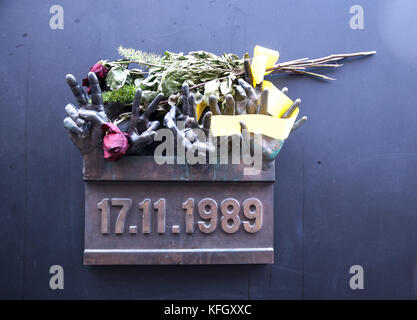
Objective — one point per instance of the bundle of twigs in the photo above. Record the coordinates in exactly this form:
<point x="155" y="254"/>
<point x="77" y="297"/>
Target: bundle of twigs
<point x="301" y="66"/>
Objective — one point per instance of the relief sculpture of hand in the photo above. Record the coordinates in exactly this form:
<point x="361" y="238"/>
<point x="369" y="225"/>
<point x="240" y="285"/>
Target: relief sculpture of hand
<point x="141" y="130"/>
<point x="188" y="137"/>
<point x="84" y="123"/>
<point x="270" y="147"/>
<point x="250" y="100"/>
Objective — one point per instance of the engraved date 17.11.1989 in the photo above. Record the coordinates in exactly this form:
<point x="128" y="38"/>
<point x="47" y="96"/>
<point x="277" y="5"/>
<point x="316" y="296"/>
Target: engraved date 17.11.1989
<point x="208" y="211"/>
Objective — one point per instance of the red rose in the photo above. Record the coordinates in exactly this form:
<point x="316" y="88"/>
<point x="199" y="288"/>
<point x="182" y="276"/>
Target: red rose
<point x="115" y="143"/>
<point x="101" y="72"/>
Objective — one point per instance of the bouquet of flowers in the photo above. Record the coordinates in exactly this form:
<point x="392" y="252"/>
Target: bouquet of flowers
<point x="128" y="99"/>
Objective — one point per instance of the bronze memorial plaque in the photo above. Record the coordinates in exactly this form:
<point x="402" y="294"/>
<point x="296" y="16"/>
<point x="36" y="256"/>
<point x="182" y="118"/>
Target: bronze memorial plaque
<point x="139" y="212"/>
<point x="206" y="210"/>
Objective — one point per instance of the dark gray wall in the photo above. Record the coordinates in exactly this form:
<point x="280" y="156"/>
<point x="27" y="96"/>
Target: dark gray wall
<point x="347" y="181"/>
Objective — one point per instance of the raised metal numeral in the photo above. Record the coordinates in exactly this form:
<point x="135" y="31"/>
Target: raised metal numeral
<point x="146" y="216"/>
<point x="188" y="206"/>
<point x="121" y="218"/>
<point x="230" y="213"/>
<point x="104" y="208"/>
<point x="252" y="210"/>
<point x="207" y="208"/>
<point x="160" y="207"/>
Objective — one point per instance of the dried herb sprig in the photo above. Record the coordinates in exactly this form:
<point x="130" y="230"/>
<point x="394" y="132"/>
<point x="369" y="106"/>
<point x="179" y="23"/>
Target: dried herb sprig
<point x="173" y="69"/>
<point x="140" y="57"/>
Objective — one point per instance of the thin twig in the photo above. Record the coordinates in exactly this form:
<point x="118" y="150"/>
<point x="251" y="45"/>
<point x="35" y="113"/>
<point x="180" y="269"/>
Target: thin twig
<point x="322" y="76"/>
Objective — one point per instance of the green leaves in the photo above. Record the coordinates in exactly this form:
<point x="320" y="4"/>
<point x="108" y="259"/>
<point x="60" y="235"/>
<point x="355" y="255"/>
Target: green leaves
<point x="116" y="78"/>
<point x="150" y="83"/>
<point x="119" y="75"/>
<point x="195" y="68"/>
<point x="167" y="73"/>
<point x="170" y="86"/>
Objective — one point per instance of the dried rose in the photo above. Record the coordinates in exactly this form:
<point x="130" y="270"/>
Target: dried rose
<point x="115" y="142"/>
<point x="101" y="72"/>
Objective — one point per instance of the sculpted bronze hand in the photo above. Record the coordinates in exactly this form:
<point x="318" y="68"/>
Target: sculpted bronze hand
<point x="139" y="127"/>
<point x="247" y="100"/>
<point x="250" y="100"/>
<point x="270" y="146"/>
<point x="187" y="115"/>
<point x="84" y="123"/>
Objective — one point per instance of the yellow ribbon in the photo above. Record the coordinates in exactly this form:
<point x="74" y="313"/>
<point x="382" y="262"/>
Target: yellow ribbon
<point x="272" y="126"/>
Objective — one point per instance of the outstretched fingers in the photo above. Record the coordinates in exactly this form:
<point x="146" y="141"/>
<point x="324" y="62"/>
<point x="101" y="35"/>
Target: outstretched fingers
<point x="244" y="131"/>
<point x="264" y="102"/>
<point x="245" y="135"/>
<point x="230" y="105"/>
<point x="136" y="103"/>
<point x="287" y="114"/>
<point x="213" y="106"/>
<point x="243" y="127"/>
<point x="72" y="112"/>
<point x="252" y="107"/>
<point x="169" y="119"/>
<point x="192" y="112"/>
<point x="71" y="126"/>
<point x="93" y="116"/>
<point x="153" y="106"/>
<point x="248" y="72"/>
<point x="185" y="89"/>
<point x="96" y="96"/>
<point x="249" y="90"/>
<point x="188" y="101"/>
<point x="299" y="123"/>
<point x="207" y="120"/>
<point x="77" y="91"/>
<point x="240" y="94"/>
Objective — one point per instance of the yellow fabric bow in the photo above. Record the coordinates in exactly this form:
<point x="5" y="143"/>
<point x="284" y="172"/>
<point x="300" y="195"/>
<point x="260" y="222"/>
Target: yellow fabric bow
<point x="278" y="103"/>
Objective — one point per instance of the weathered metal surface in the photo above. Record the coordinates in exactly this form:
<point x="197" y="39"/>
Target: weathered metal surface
<point x="227" y="223"/>
<point x="139" y="212"/>
<point x="135" y="168"/>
